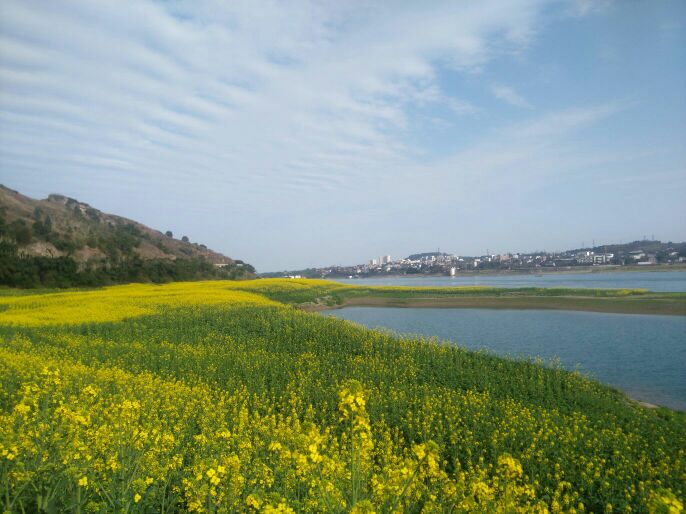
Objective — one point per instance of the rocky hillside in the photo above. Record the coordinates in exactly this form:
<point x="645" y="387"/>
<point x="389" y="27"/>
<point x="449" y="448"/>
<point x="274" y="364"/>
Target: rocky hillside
<point x="61" y="242"/>
<point x="60" y="226"/>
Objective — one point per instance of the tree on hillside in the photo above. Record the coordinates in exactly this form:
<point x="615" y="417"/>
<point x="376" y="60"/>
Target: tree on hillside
<point x="42" y="228"/>
<point x="185" y="239"/>
<point x="21" y="232"/>
<point x="169" y="233"/>
<point x="3" y="225"/>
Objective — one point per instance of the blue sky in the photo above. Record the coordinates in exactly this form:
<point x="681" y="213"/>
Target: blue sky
<point x="295" y="134"/>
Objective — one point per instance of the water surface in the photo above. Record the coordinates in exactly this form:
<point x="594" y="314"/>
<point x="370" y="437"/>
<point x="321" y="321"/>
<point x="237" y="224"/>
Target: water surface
<point x="643" y="355"/>
<point x="652" y="280"/>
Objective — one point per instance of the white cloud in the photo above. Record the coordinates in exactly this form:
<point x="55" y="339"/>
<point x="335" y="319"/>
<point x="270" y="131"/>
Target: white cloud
<point x="209" y="88"/>
<point x="509" y="95"/>
<point x="249" y="109"/>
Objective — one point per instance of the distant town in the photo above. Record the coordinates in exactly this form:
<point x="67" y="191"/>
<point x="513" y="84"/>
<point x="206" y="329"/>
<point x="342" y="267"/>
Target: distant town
<point x="636" y="253"/>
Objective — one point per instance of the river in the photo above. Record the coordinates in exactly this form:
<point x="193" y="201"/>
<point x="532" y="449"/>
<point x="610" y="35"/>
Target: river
<point x="665" y="281"/>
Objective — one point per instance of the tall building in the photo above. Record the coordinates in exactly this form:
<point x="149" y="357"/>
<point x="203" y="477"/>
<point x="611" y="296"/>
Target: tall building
<point x="385" y="259"/>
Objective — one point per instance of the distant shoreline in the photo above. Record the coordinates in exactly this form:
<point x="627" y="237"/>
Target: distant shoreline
<point x="567" y="270"/>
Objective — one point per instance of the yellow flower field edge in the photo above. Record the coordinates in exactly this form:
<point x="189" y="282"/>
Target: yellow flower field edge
<point x="121" y="302"/>
<point x="214" y="397"/>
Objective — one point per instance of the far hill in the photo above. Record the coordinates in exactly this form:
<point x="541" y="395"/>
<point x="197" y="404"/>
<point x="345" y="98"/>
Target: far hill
<point x="648" y="246"/>
<point x="425" y="255"/>
<point x="37" y="236"/>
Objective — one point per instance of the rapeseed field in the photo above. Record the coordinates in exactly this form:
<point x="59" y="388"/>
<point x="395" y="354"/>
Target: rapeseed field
<point x="220" y="397"/>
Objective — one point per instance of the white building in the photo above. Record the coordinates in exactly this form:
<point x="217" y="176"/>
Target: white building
<point x="585" y="257"/>
<point x="602" y="258"/>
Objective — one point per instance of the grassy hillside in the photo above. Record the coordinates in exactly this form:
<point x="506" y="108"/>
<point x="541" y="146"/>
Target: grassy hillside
<point x="61" y="242"/>
<point x="60" y="226"/>
<point x="218" y="397"/>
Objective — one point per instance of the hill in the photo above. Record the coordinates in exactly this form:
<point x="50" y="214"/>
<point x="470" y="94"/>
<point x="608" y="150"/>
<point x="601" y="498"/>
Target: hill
<point x="649" y="246"/>
<point x="425" y="255"/>
<point x="66" y="237"/>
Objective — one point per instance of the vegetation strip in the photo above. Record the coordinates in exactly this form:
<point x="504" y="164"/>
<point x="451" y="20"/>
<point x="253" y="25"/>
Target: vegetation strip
<point x="329" y="295"/>
<point x="658" y="305"/>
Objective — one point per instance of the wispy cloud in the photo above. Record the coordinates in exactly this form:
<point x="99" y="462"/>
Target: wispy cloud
<point x="509" y="95"/>
<point x="525" y="154"/>
<point x="200" y="88"/>
<point x="582" y="8"/>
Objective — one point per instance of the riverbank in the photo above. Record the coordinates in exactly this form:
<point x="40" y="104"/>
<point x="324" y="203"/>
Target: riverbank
<point x="590" y="300"/>
<point x="609" y="305"/>
<point x="641" y="355"/>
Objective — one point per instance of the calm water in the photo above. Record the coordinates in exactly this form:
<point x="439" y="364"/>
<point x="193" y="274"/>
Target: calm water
<point x="653" y="280"/>
<point x="643" y="355"/>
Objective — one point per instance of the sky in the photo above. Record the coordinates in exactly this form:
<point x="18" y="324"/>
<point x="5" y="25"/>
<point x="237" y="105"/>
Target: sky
<point x="297" y="134"/>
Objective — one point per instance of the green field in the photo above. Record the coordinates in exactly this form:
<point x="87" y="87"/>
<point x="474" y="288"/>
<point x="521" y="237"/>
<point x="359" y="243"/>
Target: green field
<point x="222" y="397"/>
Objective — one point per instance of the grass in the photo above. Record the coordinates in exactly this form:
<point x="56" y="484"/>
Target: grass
<point x="642" y="305"/>
<point x="221" y="397"/>
<point x="320" y="294"/>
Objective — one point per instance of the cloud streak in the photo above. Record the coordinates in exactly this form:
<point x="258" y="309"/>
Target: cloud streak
<point x="510" y="96"/>
<point x="213" y="81"/>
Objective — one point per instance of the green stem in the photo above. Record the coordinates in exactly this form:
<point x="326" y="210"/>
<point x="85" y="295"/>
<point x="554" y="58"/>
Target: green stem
<point x="7" y="491"/>
<point x="17" y="496"/>
<point x="352" y="463"/>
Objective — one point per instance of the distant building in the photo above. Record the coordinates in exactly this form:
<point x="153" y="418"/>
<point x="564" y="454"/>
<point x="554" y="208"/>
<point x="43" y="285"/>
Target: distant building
<point x="452" y="272"/>
<point x="386" y="259"/>
<point x="373" y="262"/>
<point x="585" y="257"/>
<point x="603" y="258"/>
